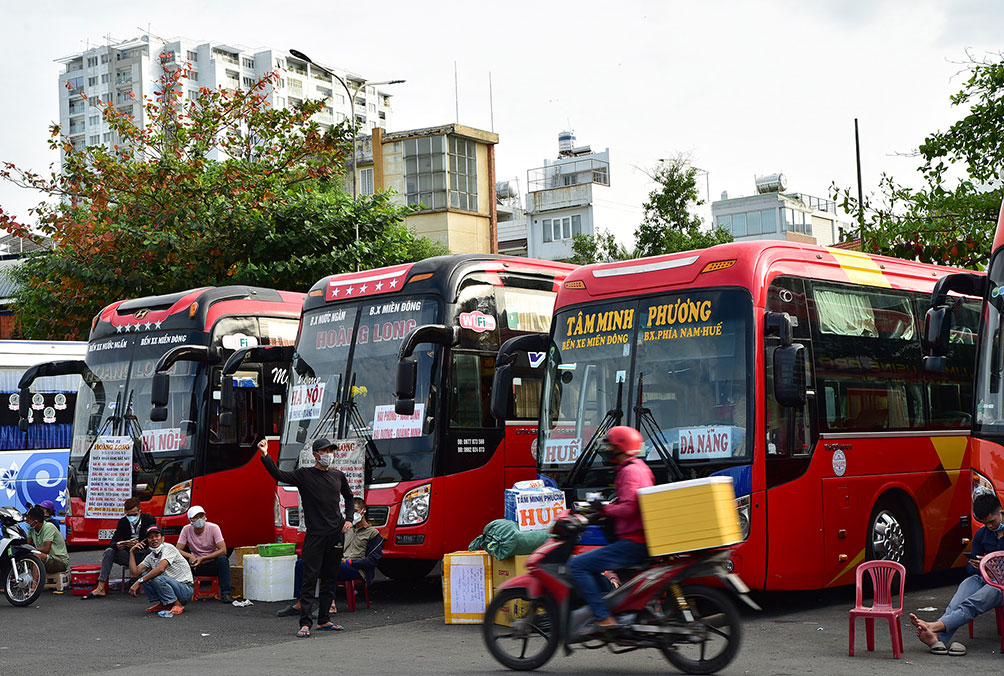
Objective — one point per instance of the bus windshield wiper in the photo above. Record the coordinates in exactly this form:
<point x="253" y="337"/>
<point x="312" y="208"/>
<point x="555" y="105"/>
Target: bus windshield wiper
<point x="111" y="420"/>
<point x="612" y="418"/>
<point x="353" y="419"/>
<point x="645" y="422"/>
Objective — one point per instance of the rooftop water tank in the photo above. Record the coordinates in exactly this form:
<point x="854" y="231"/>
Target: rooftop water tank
<point x="566" y="141"/>
<point x="771" y="183"/>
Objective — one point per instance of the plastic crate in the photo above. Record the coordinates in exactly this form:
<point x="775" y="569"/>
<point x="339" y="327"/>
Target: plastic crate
<point x="83" y="578"/>
<point x="277" y="549"/>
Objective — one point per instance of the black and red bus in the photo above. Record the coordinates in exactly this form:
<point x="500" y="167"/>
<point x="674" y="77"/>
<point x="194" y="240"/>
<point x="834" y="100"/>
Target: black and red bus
<point x="181" y="454"/>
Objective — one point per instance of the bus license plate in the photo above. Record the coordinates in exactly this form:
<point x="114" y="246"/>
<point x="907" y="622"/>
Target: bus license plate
<point x="106" y="533"/>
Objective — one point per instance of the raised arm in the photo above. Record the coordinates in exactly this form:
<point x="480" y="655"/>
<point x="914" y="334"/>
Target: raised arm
<point x="270" y="466"/>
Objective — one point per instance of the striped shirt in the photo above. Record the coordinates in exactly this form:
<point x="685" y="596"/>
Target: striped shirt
<point x="177" y="567"/>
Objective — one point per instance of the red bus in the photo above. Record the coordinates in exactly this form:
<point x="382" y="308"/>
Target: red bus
<point x="437" y="463"/>
<point x="181" y="454"/>
<point x="794" y="369"/>
<point x="945" y="323"/>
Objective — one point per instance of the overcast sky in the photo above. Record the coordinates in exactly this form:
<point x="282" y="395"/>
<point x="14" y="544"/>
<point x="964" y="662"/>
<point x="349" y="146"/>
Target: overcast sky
<point x="745" y="88"/>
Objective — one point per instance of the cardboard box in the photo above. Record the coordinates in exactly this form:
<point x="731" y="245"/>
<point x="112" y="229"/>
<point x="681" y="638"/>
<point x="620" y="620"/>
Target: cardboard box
<point x="467" y="586"/>
<point x="268" y="578"/>
<point x="533" y="509"/>
<point x="237" y="581"/>
<point x="241" y="552"/>
<point x="689" y="515"/>
<point x="504" y="570"/>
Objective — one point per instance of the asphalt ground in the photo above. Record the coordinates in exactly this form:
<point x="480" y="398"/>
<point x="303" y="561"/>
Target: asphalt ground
<point x="403" y="633"/>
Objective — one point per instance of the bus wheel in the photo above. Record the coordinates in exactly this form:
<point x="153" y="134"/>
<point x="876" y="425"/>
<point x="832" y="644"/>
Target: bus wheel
<point x="889" y="535"/>
<point x="406" y="570"/>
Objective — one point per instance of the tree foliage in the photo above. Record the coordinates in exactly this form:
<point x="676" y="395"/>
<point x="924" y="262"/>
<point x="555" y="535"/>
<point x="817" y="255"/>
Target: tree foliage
<point x="669" y="223"/>
<point x="220" y="190"/>
<point x="599" y="248"/>
<point x="950" y="219"/>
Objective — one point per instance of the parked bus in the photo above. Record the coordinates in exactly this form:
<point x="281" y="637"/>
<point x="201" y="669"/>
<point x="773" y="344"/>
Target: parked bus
<point x="794" y="369"/>
<point x="944" y="323"/>
<point x="33" y="462"/>
<point x="437" y="462"/>
<point x="179" y="453"/>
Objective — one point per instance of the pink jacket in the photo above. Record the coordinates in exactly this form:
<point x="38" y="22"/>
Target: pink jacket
<point x="633" y="474"/>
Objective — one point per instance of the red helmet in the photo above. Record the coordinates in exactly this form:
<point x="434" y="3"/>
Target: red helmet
<point x="621" y="439"/>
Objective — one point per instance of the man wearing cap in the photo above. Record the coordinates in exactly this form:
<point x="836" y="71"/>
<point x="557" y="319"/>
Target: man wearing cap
<point x="201" y="543"/>
<point x="130" y="530"/>
<point x="50" y="512"/>
<point x="320" y="488"/>
<point x="164" y="574"/>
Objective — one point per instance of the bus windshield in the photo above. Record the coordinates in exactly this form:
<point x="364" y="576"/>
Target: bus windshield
<point x="114" y="399"/>
<point x="990" y="375"/>
<point x="343" y="385"/>
<point x="675" y="366"/>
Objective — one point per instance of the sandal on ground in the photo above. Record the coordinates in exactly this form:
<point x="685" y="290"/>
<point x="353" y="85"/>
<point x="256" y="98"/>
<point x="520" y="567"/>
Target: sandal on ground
<point x="956" y="649"/>
<point x="157" y="607"/>
<point x="938" y="648"/>
<point x="303" y="633"/>
<point x="331" y="626"/>
<point x="91" y="595"/>
<point x="177" y="609"/>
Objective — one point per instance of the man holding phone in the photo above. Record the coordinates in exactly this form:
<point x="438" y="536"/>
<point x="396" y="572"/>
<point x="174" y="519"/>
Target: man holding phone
<point x="974" y="595"/>
<point x="131" y="530"/>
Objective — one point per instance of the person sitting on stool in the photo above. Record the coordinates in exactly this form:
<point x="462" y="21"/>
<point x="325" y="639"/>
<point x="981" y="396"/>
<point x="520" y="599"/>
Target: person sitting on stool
<point x="201" y="543"/>
<point x="131" y="529"/>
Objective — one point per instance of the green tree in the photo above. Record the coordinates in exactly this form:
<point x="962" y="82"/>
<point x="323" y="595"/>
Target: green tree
<point x="599" y="248"/>
<point x="155" y="213"/>
<point x="669" y="224"/>
<point x="950" y="219"/>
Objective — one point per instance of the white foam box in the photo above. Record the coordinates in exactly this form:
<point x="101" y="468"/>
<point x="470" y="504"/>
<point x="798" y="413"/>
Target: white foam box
<point x="689" y="515"/>
<point x="268" y="578"/>
<point x="534" y="509"/>
<point x="467" y="586"/>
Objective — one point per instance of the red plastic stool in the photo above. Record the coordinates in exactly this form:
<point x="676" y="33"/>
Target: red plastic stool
<point x="350" y="593"/>
<point x="214" y="590"/>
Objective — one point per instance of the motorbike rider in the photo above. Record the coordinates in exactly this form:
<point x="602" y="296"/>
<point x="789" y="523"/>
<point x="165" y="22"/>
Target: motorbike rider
<point x="620" y="447"/>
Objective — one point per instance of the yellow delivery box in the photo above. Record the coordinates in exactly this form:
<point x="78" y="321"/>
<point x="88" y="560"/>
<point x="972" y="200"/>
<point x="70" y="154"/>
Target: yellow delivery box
<point x="504" y="570"/>
<point x="689" y="515"/>
<point x="467" y="586"/>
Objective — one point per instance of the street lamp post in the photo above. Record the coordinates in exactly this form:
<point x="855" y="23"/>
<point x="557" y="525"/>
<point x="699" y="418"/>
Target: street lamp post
<point x="352" y="111"/>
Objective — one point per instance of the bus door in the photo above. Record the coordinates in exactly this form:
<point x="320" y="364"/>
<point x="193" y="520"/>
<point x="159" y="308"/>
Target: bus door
<point x="787" y="517"/>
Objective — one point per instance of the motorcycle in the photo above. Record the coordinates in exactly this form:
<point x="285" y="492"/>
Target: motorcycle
<point x="22" y="573"/>
<point x="696" y="627"/>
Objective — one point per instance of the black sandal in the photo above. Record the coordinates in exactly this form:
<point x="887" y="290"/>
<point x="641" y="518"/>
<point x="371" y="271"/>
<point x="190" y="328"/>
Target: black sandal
<point x="91" y="595"/>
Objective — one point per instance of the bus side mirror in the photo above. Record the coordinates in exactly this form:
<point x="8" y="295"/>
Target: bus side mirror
<point x="407" y="377"/>
<point x="226" y="419"/>
<point x="789" y="376"/>
<point x="24" y="403"/>
<point x="159" y="389"/>
<point x="227" y="393"/>
<point x="501" y="390"/>
<point x="937" y="330"/>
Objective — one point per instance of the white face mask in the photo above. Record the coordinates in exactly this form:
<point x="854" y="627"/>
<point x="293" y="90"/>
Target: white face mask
<point x="199" y="523"/>
<point x="356" y="518"/>
<point x="326" y="459"/>
<point x="156" y="550"/>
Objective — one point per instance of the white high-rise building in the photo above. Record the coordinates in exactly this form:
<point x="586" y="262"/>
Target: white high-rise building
<point x="127" y="72"/>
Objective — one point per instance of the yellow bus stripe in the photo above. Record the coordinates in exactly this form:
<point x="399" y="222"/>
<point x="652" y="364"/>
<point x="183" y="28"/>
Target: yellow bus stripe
<point x="860" y="268"/>
<point x="850" y="566"/>
<point x="951" y="451"/>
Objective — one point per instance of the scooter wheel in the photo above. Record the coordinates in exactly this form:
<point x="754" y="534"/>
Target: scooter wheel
<point x="521" y="632"/>
<point x="25" y="580"/>
<point x="717" y="630"/>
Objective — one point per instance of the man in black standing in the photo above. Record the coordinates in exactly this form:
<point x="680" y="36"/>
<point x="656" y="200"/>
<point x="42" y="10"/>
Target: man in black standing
<point x="320" y="487"/>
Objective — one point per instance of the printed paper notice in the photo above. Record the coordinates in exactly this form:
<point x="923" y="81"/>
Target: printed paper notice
<point x="305" y="401"/>
<point x="699" y="443"/>
<point x="389" y="425"/>
<point x="109" y="477"/>
<point x="350" y="459"/>
<point x="467" y="585"/>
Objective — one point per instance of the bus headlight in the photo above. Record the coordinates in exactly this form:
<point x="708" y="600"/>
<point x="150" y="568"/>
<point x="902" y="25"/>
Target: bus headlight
<point x="179" y="499"/>
<point x="981" y="484"/>
<point x="743" y="507"/>
<point x="415" y="506"/>
<point x="278" y="513"/>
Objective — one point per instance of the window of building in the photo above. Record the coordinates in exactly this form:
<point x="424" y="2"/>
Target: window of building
<point x="753" y="223"/>
<point x="556" y="229"/>
<point x="324" y="92"/>
<point x="738" y="225"/>
<point x="247" y="63"/>
<point x="366" y="181"/>
<point x="193" y="56"/>
<point x="75" y="82"/>
<point x="249" y="82"/>
<point x="92" y="61"/>
<point x="76" y="107"/>
<point x="383" y="115"/>
<point x="105" y="78"/>
<point x="106" y="97"/>
<point x="546" y="229"/>
<point x="92" y="81"/>
<point x="95" y="139"/>
<point x="280" y="102"/>
<point x="425" y="171"/>
<point x="340" y="117"/>
<point x="576" y="225"/>
<point x="372" y="107"/>
<point x="797" y="221"/>
<point x="339" y="98"/>
<point x="193" y="94"/>
<point x="725" y="222"/>
<point x="107" y="137"/>
<point x="768" y="218"/>
<point x="294" y="102"/>
<point x="361" y="102"/>
<point x="93" y="120"/>
<point x="105" y="58"/>
<point x="463" y="174"/>
<point x="193" y="75"/>
<point x="361" y="120"/>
